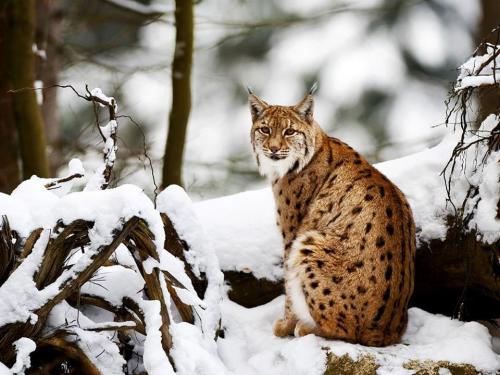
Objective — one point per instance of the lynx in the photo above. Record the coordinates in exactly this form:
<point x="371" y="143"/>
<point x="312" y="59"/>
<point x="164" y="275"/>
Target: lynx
<point x="348" y="232"/>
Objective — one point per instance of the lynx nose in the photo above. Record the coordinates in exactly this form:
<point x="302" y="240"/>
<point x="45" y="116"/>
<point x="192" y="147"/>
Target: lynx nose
<point x="274" y="149"/>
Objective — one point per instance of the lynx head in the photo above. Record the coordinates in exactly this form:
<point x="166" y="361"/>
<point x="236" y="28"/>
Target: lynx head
<point x="283" y="137"/>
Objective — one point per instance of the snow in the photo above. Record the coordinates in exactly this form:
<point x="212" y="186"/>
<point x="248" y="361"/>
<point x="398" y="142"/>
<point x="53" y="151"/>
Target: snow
<point x="477" y="71"/>
<point x="111" y="278"/>
<point x="24" y="347"/>
<point x="75" y="166"/>
<point x="19" y="294"/>
<point x="32" y="206"/>
<point x="99" y="347"/>
<point x="97" y="92"/>
<point x="249" y="346"/>
<point x="38" y="86"/>
<point x="202" y="257"/>
<point x="109" y="151"/>
<point x="244" y="229"/>
<point x="155" y="359"/>
<point x="41" y="53"/>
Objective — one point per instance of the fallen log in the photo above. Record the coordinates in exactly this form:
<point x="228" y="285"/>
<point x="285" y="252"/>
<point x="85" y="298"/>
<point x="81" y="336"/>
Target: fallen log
<point x="457" y="277"/>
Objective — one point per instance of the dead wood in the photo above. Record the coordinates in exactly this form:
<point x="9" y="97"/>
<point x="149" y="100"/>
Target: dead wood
<point x="177" y="246"/>
<point x="7" y="256"/>
<point x="458" y="277"/>
<point x="55" y="353"/>
<point x="74" y="236"/>
<point x="141" y="248"/>
<point x="13" y="331"/>
<point x="28" y="246"/>
<point x="122" y="313"/>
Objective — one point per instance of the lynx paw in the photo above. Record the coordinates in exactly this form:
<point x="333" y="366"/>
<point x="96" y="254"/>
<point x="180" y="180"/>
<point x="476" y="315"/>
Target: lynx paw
<point x="303" y="329"/>
<point x="283" y="327"/>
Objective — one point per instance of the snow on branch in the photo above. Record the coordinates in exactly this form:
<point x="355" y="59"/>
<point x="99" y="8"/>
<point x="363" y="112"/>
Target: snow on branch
<point x="480" y="70"/>
<point x="100" y="179"/>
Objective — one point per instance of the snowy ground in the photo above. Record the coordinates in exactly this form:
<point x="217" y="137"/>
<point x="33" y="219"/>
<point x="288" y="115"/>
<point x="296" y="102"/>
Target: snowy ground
<point x="249" y="347"/>
<point x="242" y="227"/>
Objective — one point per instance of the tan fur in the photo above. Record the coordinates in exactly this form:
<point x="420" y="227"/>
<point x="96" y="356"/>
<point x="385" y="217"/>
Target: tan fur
<point x="348" y="232"/>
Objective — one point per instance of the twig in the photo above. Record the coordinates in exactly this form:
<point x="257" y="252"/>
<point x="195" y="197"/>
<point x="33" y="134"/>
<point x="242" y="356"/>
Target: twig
<point x="54" y="184"/>
<point x="146" y="154"/>
<point x="460" y="101"/>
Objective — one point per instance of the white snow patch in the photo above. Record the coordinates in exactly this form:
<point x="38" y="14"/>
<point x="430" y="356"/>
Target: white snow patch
<point x="243" y="227"/>
<point x="250" y="347"/>
<point x="24" y="347"/>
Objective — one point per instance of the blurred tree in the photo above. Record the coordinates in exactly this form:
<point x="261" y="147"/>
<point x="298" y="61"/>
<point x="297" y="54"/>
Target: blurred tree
<point x="489" y="100"/>
<point x="20" y="73"/>
<point x="48" y="36"/>
<point x="10" y="175"/>
<point x="181" y="93"/>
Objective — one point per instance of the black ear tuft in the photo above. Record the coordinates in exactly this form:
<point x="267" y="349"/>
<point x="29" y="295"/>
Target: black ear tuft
<point x="313" y="88"/>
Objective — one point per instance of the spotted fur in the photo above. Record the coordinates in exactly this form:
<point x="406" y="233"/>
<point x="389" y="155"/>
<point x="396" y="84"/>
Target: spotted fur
<point x="348" y="232"/>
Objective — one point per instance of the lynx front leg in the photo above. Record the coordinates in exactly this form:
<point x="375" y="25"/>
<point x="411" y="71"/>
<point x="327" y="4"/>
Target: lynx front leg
<point x="303" y="329"/>
<point x="286" y="326"/>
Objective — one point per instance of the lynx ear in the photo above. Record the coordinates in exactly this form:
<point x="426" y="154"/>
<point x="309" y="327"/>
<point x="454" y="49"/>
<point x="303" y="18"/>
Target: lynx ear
<point x="257" y="105"/>
<point x="305" y="108"/>
<point x="306" y="105"/>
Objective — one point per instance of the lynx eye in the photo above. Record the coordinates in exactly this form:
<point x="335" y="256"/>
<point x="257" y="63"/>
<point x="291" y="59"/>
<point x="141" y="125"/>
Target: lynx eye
<point x="265" y="130"/>
<point x="290" y="131"/>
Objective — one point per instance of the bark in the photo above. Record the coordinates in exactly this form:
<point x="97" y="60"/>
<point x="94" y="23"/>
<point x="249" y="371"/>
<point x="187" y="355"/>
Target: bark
<point x="489" y="98"/>
<point x="181" y="93"/>
<point x="175" y="245"/>
<point x="10" y="174"/>
<point x="53" y="351"/>
<point x="21" y="74"/>
<point x="458" y="277"/>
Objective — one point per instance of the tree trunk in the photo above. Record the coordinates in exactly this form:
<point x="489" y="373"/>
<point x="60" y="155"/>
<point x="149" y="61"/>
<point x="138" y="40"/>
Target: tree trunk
<point x="10" y="175"/>
<point x="21" y="74"/>
<point x="489" y="98"/>
<point x="181" y="93"/>
<point x="49" y="28"/>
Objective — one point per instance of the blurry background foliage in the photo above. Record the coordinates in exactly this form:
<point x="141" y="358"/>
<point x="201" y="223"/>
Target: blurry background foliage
<point x="384" y="69"/>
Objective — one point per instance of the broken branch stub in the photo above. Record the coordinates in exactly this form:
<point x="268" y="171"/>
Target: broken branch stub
<point x="102" y="177"/>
